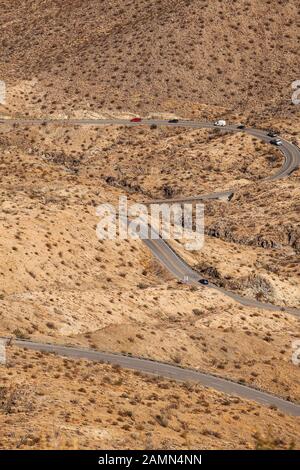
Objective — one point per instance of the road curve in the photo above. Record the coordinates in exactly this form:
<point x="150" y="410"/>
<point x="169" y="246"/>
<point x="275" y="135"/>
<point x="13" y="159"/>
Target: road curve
<point x="179" y="268"/>
<point x="168" y="371"/>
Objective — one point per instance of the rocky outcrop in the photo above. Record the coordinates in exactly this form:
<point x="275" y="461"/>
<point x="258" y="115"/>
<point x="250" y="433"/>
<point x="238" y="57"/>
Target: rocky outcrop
<point x="285" y="235"/>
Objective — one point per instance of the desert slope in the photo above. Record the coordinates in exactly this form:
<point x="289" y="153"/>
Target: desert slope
<point x="156" y="55"/>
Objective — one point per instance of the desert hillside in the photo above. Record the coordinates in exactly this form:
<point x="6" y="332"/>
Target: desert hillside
<point x="154" y="56"/>
<point x="110" y="408"/>
<point x="189" y="59"/>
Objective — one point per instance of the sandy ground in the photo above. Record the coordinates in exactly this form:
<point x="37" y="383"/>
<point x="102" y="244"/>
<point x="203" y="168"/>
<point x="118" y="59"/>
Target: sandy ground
<point x="109" y="408"/>
<point x="59" y="283"/>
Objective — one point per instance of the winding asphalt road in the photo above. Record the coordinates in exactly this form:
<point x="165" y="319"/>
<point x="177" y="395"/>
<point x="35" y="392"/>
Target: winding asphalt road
<point x="167" y="371"/>
<point x="179" y="268"/>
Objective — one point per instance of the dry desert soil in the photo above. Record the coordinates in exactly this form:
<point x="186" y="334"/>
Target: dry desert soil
<point x="189" y="59"/>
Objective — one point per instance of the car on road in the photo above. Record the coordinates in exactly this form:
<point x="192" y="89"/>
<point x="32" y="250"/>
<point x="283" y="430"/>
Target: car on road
<point x="136" y="119"/>
<point x="172" y="121"/>
<point x="276" y="142"/>
<point x="241" y="126"/>
<point x="272" y="134"/>
<point x="204" y="282"/>
<point x="220" y="123"/>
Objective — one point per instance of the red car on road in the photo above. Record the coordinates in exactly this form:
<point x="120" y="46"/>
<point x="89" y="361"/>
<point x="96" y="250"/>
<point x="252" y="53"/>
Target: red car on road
<point x="136" y="119"/>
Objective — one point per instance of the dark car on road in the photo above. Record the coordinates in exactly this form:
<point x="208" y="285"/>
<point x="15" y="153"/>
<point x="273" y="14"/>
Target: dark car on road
<point x="203" y="281"/>
<point x="136" y="119"/>
<point x="272" y="134"/>
<point x="173" y="121"/>
<point x="241" y="126"/>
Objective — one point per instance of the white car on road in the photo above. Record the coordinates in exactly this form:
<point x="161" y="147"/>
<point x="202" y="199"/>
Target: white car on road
<point x="220" y="123"/>
<point x="276" y="142"/>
